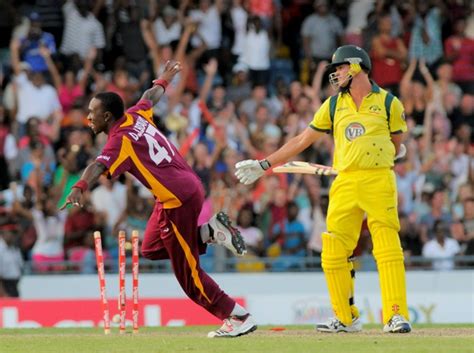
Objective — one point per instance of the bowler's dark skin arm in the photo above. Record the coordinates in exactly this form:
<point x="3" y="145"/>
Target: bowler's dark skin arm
<point x="154" y="94"/>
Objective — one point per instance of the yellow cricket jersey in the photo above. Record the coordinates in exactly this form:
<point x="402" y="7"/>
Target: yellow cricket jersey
<point x="362" y="137"/>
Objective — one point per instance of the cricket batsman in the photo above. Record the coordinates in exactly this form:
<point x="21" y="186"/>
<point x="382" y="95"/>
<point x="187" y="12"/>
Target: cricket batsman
<point x="368" y="125"/>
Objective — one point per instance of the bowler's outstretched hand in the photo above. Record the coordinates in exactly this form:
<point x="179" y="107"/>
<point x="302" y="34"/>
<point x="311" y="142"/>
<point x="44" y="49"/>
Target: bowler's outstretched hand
<point x="74" y="198"/>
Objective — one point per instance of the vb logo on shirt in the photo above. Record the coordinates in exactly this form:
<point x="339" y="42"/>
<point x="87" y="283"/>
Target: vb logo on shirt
<point x="354" y="130"/>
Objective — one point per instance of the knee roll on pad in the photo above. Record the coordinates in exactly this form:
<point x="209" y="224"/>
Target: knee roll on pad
<point x="334" y="254"/>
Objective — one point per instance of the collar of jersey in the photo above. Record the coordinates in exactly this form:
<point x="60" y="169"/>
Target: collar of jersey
<point x="375" y="88"/>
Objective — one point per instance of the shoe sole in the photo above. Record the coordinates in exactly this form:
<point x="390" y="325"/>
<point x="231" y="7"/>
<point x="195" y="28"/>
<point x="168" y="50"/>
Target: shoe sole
<point x="332" y="331"/>
<point x="250" y="330"/>
<point x="237" y="241"/>
<point x="400" y="330"/>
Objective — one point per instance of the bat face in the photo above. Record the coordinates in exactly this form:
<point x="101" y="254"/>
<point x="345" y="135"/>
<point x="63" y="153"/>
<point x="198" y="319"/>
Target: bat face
<point x="298" y="167"/>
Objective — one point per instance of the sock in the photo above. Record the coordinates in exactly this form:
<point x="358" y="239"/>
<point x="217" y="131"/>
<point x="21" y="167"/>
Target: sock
<point x="238" y="311"/>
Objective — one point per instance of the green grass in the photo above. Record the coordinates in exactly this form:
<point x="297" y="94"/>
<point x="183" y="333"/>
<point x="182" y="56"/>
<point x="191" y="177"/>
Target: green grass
<point x="295" y="339"/>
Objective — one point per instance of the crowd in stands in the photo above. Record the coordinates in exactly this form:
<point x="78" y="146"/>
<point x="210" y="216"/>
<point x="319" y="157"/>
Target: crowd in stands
<point x="257" y="68"/>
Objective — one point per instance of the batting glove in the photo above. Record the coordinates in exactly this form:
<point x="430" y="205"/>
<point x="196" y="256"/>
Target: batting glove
<point x="402" y="152"/>
<point x="249" y="171"/>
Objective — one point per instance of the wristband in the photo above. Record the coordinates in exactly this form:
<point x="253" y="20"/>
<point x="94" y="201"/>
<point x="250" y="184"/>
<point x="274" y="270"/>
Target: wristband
<point x="82" y="185"/>
<point x="265" y="164"/>
<point x="161" y="82"/>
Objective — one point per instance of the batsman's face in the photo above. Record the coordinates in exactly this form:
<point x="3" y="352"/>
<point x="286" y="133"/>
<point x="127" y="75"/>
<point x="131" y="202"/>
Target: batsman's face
<point x="97" y="116"/>
<point x="340" y="78"/>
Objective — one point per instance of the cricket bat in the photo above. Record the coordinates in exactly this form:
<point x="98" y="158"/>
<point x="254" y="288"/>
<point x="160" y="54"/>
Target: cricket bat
<point x="298" y="167"/>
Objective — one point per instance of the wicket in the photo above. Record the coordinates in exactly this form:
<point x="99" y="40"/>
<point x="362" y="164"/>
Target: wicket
<point x="122" y="270"/>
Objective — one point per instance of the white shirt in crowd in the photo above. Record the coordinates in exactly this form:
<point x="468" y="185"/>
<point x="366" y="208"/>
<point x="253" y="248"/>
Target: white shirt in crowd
<point x="209" y="27"/>
<point x="252" y="235"/>
<point x="432" y="249"/>
<point x="256" y="50"/>
<point x="103" y="197"/>
<point x="40" y="102"/>
<point x="165" y="35"/>
<point x="49" y="233"/>
<point x="11" y="261"/>
<point x="239" y="21"/>
<point x="80" y="33"/>
<point x="322" y="32"/>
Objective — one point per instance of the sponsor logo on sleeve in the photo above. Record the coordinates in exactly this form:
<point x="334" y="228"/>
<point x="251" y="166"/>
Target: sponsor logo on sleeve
<point x="105" y="158"/>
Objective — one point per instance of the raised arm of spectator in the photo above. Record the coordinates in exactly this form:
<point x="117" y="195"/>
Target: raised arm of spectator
<point x="428" y="139"/>
<point x="307" y="47"/>
<point x="15" y="55"/>
<point x="98" y="5"/>
<point x="428" y="79"/>
<point x="380" y="51"/>
<point x="405" y="83"/>
<point x="46" y="54"/>
<point x="220" y="5"/>
<point x="243" y="135"/>
<point x="88" y="66"/>
<point x="210" y="68"/>
<point x="151" y="43"/>
<point x="315" y="92"/>
<point x="180" y="53"/>
<point x="183" y="6"/>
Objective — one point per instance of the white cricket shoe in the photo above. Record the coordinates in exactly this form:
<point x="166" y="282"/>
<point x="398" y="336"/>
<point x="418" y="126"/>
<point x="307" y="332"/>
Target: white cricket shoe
<point x="235" y="326"/>
<point x="223" y="233"/>
<point x="397" y="324"/>
<point x="333" y="325"/>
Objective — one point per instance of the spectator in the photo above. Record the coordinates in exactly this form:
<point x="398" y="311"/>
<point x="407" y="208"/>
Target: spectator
<point x="82" y="31"/>
<point x="441" y="247"/>
<point x="409" y="237"/>
<point x="240" y="87"/>
<point x="252" y="235"/>
<point x="289" y="234"/>
<point x="239" y="17"/>
<point x="70" y="88"/>
<point x="446" y="94"/>
<point x="8" y="151"/>
<point x="414" y="94"/>
<point x="11" y="261"/>
<point x="256" y="52"/>
<point x="48" y="251"/>
<point x="438" y="212"/>
<point x="460" y="52"/>
<point x="209" y="30"/>
<point x="166" y="27"/>
<point x="319" y="200"/>
<point x="425" y="41"/>
<point x="110" y="192"/>
<point x="38" y="167"/>
<point x="31" y="44"/>
<point x="34" y="96"/>
<point x="129" y="37"/>
<point x="388" y="55"/>
<point x="259" y="96"/>
<point x="407" y="175"/>
<point x="78" y="235"/>
<point x="468" y="218"/>
<point x="322" y="34"/>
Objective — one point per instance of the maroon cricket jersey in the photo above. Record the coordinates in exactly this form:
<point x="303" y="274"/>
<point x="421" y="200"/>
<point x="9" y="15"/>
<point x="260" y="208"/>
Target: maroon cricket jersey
<point x="136" y="146"/>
